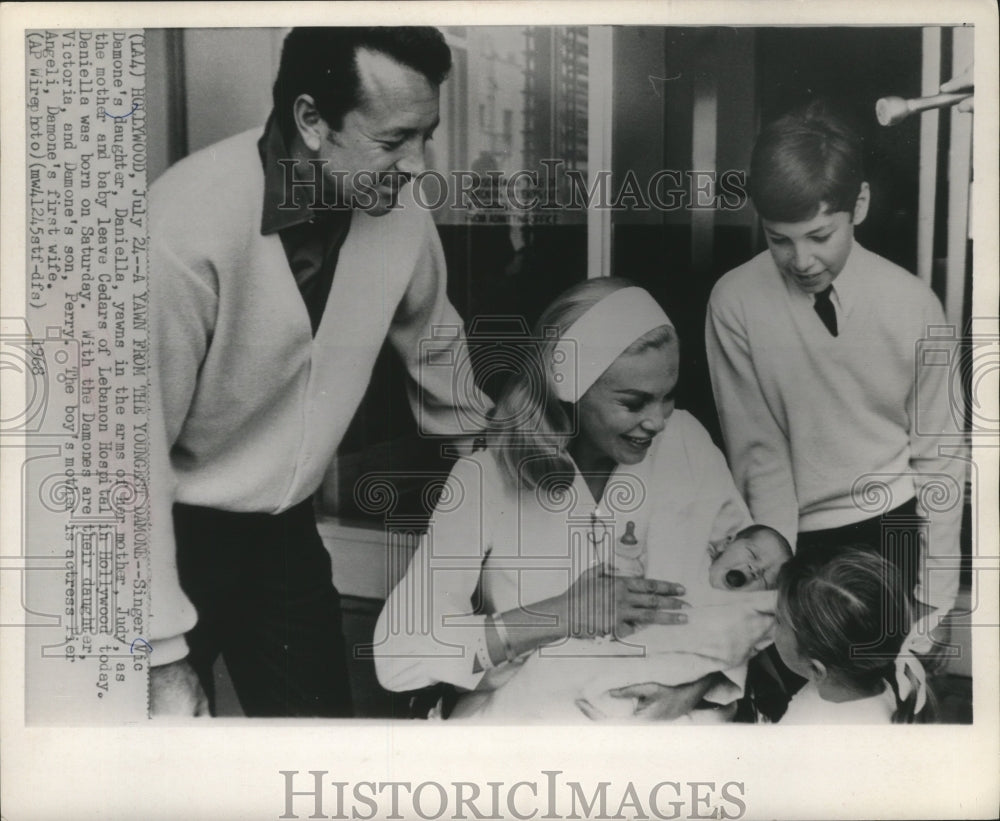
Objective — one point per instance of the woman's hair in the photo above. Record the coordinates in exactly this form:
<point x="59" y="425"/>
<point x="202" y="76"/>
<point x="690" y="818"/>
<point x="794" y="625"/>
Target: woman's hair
<point x="850" y="611"/>
<point x="530" y="427"/>
<point x="807" y="158"/>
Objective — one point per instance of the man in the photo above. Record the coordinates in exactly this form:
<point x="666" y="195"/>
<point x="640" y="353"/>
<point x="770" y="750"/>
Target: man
<point x="812" y="347"/>
<point x="270" y="307"/>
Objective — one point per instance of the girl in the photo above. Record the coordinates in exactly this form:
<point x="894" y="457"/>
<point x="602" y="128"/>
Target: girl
<point x="843" y="622"/>
<point x="586" y="458"/>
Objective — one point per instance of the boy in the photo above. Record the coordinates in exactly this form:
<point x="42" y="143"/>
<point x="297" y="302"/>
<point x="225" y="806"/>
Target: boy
<point x="811" y="347"/>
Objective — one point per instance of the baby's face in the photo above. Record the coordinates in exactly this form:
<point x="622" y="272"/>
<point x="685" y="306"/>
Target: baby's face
<point x="747" y="563"/>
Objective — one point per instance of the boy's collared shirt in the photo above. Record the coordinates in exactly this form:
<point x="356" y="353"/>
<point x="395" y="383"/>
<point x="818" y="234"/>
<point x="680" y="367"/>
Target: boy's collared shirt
<point x="845" y="293"/>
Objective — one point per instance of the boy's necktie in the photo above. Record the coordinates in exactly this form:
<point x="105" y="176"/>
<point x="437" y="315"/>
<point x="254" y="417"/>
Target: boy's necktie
<point x="825" y="310"/>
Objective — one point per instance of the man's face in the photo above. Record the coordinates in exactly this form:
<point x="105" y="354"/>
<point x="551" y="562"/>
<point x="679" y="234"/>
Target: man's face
<point x="812" y="253"/>
<point x="381" y="142"/>
<point x="748" y="563"/>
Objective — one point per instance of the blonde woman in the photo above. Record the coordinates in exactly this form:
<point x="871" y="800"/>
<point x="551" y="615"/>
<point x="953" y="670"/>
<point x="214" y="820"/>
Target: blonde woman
<point x="591" y="492"/>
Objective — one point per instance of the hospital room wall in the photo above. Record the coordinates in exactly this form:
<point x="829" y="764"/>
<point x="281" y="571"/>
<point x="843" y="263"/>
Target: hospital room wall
<point x="685" y="101"/>
<point x="204" y="85"/>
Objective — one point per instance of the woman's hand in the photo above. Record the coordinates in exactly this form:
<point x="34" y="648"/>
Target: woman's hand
<point x="655" y="702"/>
<point x="599" y="604"/>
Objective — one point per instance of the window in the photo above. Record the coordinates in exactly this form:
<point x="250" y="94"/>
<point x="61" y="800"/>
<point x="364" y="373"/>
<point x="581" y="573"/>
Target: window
<point x="527" y="90"/>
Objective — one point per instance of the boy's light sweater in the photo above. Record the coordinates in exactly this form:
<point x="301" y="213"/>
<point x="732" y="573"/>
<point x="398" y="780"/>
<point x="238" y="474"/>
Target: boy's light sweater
<point x="825" y="431"/>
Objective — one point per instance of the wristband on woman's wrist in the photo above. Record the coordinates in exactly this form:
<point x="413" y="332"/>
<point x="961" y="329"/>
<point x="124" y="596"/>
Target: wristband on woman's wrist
<point x="483" y="652"/>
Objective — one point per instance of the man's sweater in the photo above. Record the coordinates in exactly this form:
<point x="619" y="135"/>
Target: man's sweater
<point x="248" y="406"/>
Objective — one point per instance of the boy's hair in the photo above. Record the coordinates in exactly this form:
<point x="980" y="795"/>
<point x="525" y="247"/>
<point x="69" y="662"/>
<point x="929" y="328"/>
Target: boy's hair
<point x="753" y="530"/>
<point x="808" y="158"/>
<point x="321" y="62"/>
<point x="531" y="426"/>
<point x="850" y="611"/>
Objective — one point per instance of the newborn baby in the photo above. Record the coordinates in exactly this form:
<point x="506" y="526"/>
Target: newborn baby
<point x="731" y="617"/>
<point x="748" y="560"/>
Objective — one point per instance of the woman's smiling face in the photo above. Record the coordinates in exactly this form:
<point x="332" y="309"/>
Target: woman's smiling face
<point x="627" y="407"/>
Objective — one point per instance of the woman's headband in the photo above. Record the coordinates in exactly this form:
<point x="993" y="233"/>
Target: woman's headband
<point x="592" y="343"/>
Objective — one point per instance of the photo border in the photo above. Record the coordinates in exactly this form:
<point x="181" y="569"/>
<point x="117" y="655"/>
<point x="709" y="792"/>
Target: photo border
<point x="231" y="767"/>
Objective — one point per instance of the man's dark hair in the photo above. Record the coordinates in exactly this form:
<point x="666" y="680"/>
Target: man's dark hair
<point x="808" y="157"/>
<point x="320" y="62"/>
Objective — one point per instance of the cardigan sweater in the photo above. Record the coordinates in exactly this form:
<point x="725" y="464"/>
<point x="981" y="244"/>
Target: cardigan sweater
<point x="824" y="431"/>
<point x="247" y="406"/>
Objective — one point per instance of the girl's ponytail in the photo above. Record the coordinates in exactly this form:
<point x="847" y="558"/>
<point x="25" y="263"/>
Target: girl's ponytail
<point x="914" y="699"/>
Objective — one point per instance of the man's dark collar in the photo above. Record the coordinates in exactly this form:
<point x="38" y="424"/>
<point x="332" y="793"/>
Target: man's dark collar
<point x="272" y="148"/>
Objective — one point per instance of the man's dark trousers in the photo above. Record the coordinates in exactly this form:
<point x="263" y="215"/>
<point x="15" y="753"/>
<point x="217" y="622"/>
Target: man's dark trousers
<point x="265" y="598"/>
